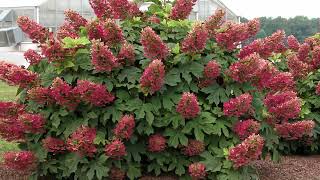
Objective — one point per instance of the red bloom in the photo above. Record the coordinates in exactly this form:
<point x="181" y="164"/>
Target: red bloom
<point x="154" y="19"/>
<point x="23" y="161"/>
<point x="188" y="106"/>
<point x="82" y="141"/>
<point x="249" y="150"/>
<point x="75" y="19"/>
<point x="116" y="174"/>
<point x="214" y="22"/>
<point x="293" y="43"/>
<point x="40" y="95"/>
<point x="32" y="123"/>
<point x="195" y="41"/>
<point x="11" y="129"/>
<point x="153" y="46"/>
<point x="96" y="30"/>
<point x="197" y="171"/>
<point x="284" y="105"/>
<point x="101" y="8"/>
<point x="96" y="94"/>
<point x="125" y="127"/>
<point x="10" y="110"/>
<point x="53" y="50"/>
<point x="102" y="58"/>
<point x="193" y="148"/>
<point x="297" y="68"/>
<point x="35" y="31"/>
<point x="113" y="33"/>
<point x="54" y="145"/>
<point x="126" y="54"/>
<point x="182" y="9"/>
<point x="116" y="149"/>
<point x="283" y="81"/>
<point x="246" y="128"/>
<point x="295" y="131"/>
<point x="317" y="92"/>
<point x="123" y="9"/>
<point x="212" y="70"/>
<point x="32" y="57"/>
<point x="303" y="52"/>
<point x="238" y="106"/>
<point x="157" y="143"/>
<point x="315" y="63"/>
<point x="66" y="30"/>
<point x="152" y="78"/>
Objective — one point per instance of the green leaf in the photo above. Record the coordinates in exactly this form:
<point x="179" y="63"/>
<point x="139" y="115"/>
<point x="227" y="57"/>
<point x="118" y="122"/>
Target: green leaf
<point x="72" y="43"/>
<point x="172" y="78"/>
<point x="212" y="164"/>
<point x="176" y="136"/>
<point x="134" y="172"/>
<point x="132" y="74"/>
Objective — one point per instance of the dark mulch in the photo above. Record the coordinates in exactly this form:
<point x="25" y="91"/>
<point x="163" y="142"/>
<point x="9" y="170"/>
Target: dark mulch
<point x="10" y="175"/>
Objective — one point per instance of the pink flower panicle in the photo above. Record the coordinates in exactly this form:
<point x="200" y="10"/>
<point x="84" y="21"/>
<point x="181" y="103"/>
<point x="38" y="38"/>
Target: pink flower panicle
<point x="317" y="92"/>
<point x="188" y="106"/>
<point x="53" y="50"/>
<point x="35" y="31"/>
<point x="54" y="145"/>
<point x="116" y="149"/>
<point x="11" y="129"/>
<point x="293" y="43"/>
<point x="75" y="19"/>
<point x="101" y="8"/>
<point x="238" y="106"/>
<point x="23" y="161"/>
<point x="10" y="110"/>
<point x="123" y="9"/>
<point x="283" y="81"/>
<point x="215" y="22"/>
<point x="193" y="148"/>
<point x="32" y="57"/>
<point x="197" y="171"/>
<point x="157" y="143"/>
<point x="182" y="9"/>
<point x="96" y="30"/>
<point x="125" y="127"/>
<point x="116" y="174"/>
<point x="112" y="33"/>
<point x="82" y="141"/>
<point x="295" y="131"/>
<point x="92" y="93"/>
<point x="40" y="95"/>
<point x="315" y="63"/>
<point x="66" y="30"/>
<point x="249" y="150"/>
<point x="195" y="41"/>
<point x="303" y="52"/>
<point x="126" y="54"/>
<point x="246" y="128"/>
<point x="154" y="19"/>
<point x="283" y="105"/>
<point x="32" y="123"/>
<point x="103" y="59"/>
<point x="297" y="68"/>
<point x="153" y="46"/>
<point x="212" y="70"/>
<point x="152" y="78"/>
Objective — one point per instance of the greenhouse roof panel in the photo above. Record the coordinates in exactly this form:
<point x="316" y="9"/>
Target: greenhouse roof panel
<point x="21" y="3"/>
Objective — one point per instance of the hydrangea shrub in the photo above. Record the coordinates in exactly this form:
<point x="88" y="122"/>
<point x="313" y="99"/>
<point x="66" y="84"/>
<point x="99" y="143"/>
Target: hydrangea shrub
<point x="150" y="95"/>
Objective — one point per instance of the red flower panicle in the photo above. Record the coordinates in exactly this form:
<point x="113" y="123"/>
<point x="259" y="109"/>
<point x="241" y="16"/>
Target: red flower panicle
<point x="295" y="131"/>
<point x="82" y="141"/>
<point x="246" y="128"/>
<point x="126" y="54"/>
<point x="53" y="50"/>
<point x="125" y="127"/>
<point x="32" y="57"/>
<point x="101" y="8"/>
<point x="102" y="58"/>
<point x="303" y="52"/>
<point x="193" y="148"/>
<point x="112" y="33"/>
<point x="40" y="95"/>
<point x="317" y="92"/>
<point x="212" y="70"/>
<point x="188" y="106"/>
<point x="154" y="19"/>
<point x="283" y="105"/>
<point x="153" y="46"/>
<point x="182" y="9"/>
<point x="214" y="22"/>
<point x="197" y="171"/>
<point x="96" y="30"/>
<point x="17" y="76"/>
<point x="238" y="106"/>
<point x="54" y="145"/>
<point x="10" y="110"/>
<point x="116" y="149"/>
<point x="66" y="30"/>
<point x="95" y="94"/>
<point x="297" y="68"/>
<point x="116" y="174"/>
<point x="35" y="31"/>
<point x="195" y="41"/>
<point x="32" y="123"/>
<point x="75" y="19"/>
<point x="157" y="143"/>
<point x="315" y="63"/>
<point x="249" y="150"/>
<point x="293" y="43"/>
<point x="152" y="78"/>
<point x="123" y="9"/>
<point x="283" y="81"/>
<point x="11" y="129"/>
<point x="23" y="161"/>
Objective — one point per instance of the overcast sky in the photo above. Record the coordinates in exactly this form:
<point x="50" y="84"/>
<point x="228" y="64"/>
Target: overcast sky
<point x="274" y="8"/>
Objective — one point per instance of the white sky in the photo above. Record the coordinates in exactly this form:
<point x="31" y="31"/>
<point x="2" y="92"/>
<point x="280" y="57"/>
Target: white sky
<point x="274" y="8"/>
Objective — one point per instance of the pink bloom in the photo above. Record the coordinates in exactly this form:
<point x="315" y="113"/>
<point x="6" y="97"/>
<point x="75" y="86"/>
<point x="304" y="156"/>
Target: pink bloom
<point x="116" y="174"/>
<point x="112" y="33"/>
<point x="35" y="31"/>
<point x="40" y="95"/>
<point x="102" y="58"/>
<point x="295" y="131"/>
<point x="297" y="68"/>
<point x="315" y="63"/>
<point x="153" y="46"/>
<point x="53" y="50"/>
<point x="54" y="145"/>
<point x="215" y="22"/>
<point x="10" y="110"/>
<point x="303" y="52"/>
<point x="246" y="128"/>
<point x="23" y="161"/>
<point x="282" y="81"/>
<point x="125" y="127"/>
<point x="293" y="43"/>
<point x="82" y="141"/>
<point x="123" y="9"/>
<point x="317" y="92"/>
<point x="11" y="129"/>
<point x="195" y="41"/>
<point x="157" y="143"/>
<point x="32" y="123"/>
<point x="66" y="30"/>
<point x="238" y="106"/>
<point x="152" y="78"/>
<point x="116" y="149"/>
<point x="32" y="57"/>
<point x="101" y="8"/>
<point x="154" y="19"/>
<point x="193" y="148"/>
<point x="212" y="70"/>
<point x="96" y="30"/>
<point x="249" y="150"/>
<point x="182" y="9"/>
<point x="126" y="54"/>
<point x="75" y="19"/>
<point x="197" y="171"/>
<point x="188" y="106"/>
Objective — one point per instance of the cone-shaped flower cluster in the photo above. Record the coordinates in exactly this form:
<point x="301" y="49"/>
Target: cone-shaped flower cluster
<point x="66" y="30"/>
<point x="32" y="57"/>
<point x="188" y="106"/>
<point x="197" y="171"/>
<point x="53" y="50"/>
<point x="40" y="95"/>
<point x="182" y="9"/>
<point x="54" y="145"/>
<point x="153" y="46"/>
<point x="10" y="109"/>
<point x="11" y="129"/>
<point x="102" y="58"/>
<point x="210" y="73"/>
<point x="75" y="19"/>
<point x="112" y="34"/>
<point x="157" y="143"/>
<point x="32" y="123"/>
<point x="154" y="19"/>
<point x="82" y="141"/>
<point x="116" y="149"/>
<point x="126" y="55"/>
<point x="96" y="30"/>
<point x="295" y="131"/>
<point x="249" y="150"/>
<point x="246" y="128"/>
<point x="122" y="9"/>
<point x="214" y="22"/>
<point x="238" y="106"/>
<point x="283" y="81"/>
<point x="293" y="43"/>
<point x="101" y="8"/>
<point x="116" y="174"/>
<point x="35" y="31"/>
<point x="297" y="68"/>
<point x="23" y="161"/>
<point x="195" y="41"/>
<point x="193" y="148"/>
<point x="152" y="78"/>
<point x="125" y="127"/>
